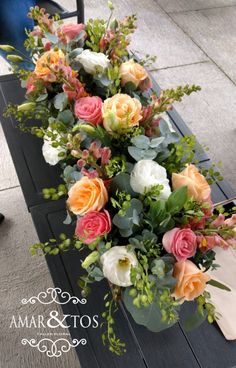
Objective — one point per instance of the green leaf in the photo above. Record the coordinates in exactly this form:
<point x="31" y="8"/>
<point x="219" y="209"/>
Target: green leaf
<point x="150" y="316"/>
<point x="157" y="213"/>
<point x="166" y="224"/>
<point x="121" y="182"/>
<point x="97" y="274"/>
<point x="60" y="101"/>
<point x="141" y="141"/>
<point x="176" y="200"/>
<point x="42" y="97"/>
<point x="194" y="321"/>
<point x="66" y="117"/>
<point x="218" y="285"/>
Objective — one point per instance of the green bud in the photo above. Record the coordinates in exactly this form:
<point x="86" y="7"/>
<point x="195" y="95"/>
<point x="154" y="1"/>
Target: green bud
<point x="54" y="251"/>
<point x="7" y="48"/>
<point x="144" y="299"/>
<point x="133" y="292"/>
<point x="110" y="5"/>
<point x="210" y="319"/>
<point x="27" y="106"/>
<point x="85" y="128"/>
<point x="136" y="302"/>
<point x="90" y="259"/>
<point x="15" y="58"/>
<point x="62" y="236"/>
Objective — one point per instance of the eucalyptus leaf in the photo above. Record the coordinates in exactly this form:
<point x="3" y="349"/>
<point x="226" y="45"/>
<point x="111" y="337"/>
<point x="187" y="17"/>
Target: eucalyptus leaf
<point x="155" y="142"/>
<point x="51" y="37"/>
<point x="42" y="97"/>
<point x="60" y="101"/>
<point x="97" y="274"/>
<point x="66" y="117"/>
<point x="121" y="182"/>
<point x="150" y="316"/>
<point x="141" y="141"/>
<point x="68" y="219"/>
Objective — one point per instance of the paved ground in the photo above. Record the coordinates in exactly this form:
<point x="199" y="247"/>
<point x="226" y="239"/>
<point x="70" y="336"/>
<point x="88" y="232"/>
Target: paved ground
<point x="195" y="43"/>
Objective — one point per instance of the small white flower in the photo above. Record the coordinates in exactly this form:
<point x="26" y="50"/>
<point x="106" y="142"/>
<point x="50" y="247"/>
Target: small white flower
<point x="147" y="173"/>
<point x="50" y="153"/>
<point x="116" y="263"/>
<point x="93" y="62"/>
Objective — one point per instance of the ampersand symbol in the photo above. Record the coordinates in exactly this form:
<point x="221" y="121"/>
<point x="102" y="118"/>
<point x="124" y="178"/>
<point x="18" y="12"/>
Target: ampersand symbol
<point x="54" y="315"/>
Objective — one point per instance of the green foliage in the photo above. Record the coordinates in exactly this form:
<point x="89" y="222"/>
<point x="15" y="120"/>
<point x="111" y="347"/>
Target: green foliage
<point x="122" y="202"/>
<point x="145" y="148"/>
<point x="39" y="112"/>
<point x="109" y="336"/>
<point x="55" y="193"/>
<point x="212" y="174"/>
<point x="131" y="218"/>
<point x="219" y="285"/>
<point x="116" y="165"/>
<point x="95" y="29"/>
<point x="180" y="154"/>
<point x="206" y="260"/>
<point x="121" y="182"/>
<point x="169" y="96"/>
<point x="54" y="246"/>
<point x="177" y="200"/>
<point x="150" y="194"/>
<point x="60" y="101"/>
<point x="146" y="243"/>
<point x="156" y="316"/>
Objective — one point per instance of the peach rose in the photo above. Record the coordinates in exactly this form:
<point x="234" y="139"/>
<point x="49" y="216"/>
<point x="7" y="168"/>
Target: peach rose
<point x="191" y="281"/>
<point x="87" y="195"/>
<point x="130" y="71"/>
<point x="51" y="58"/>
<point x="198" y="187"/>
<point x="121" y="112"/>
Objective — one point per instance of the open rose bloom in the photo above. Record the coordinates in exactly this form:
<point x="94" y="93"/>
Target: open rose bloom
<point x="141" y="212"/>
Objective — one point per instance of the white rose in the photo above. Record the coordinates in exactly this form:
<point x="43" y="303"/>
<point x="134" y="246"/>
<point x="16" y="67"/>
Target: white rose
<point x="147" y="173"/>
<point x="50" y="153"/>
<point x="116" y="263"/>
<point x="93" y="62"/>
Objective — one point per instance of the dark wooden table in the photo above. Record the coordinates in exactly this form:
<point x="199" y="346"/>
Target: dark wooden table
<point x="173" y="348"/>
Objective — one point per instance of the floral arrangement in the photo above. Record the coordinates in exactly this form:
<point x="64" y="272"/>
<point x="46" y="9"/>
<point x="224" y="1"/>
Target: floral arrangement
<point x="140" y="207"/>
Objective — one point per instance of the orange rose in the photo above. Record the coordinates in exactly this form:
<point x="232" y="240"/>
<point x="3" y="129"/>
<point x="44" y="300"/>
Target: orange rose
<point x="87" y="195"/>
<point x="121" y="112"/>
<point x="198" y="187"/>
<point x="191" y="281"/>
<point x="132" y="72"/>
<point x="51" y="58"/>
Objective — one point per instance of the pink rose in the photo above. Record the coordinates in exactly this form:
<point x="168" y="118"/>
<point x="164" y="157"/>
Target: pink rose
<point x="182" y="243"/>
<point x="68" y="32"/>
<point x="89" y="109"/>
<point x="93" y="225"/>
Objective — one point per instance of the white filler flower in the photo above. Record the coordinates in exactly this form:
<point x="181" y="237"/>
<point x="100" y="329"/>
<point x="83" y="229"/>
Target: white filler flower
<point x="116" y="263"/>
<point x="93" y="62"/>
<point x="147" y="173"/>
<point x="50" y="153"/>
